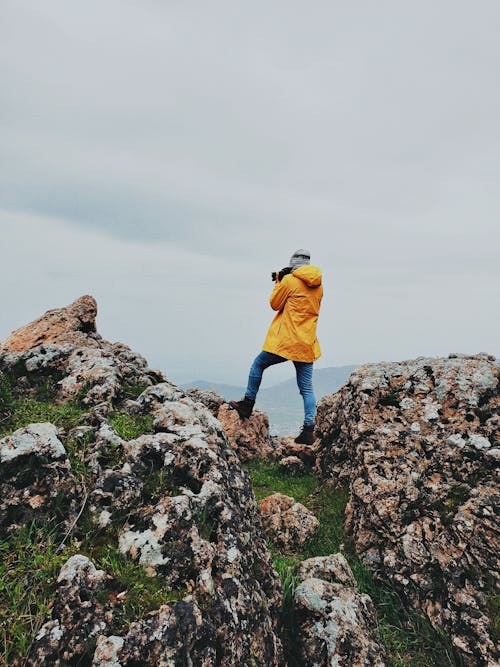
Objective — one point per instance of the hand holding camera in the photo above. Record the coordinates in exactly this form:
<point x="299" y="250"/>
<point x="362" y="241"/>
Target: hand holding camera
<point x="277" y="276"/>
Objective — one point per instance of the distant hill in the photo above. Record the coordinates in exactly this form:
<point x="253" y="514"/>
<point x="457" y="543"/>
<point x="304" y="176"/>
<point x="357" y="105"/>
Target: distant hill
<point x="282" y="402"/>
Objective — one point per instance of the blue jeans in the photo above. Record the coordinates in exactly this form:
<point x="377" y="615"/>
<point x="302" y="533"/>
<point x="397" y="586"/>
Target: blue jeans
<point x="304" y="372"/>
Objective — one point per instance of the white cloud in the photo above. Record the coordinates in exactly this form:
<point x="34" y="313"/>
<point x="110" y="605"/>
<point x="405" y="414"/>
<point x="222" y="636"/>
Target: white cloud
<point x="168" y="156"/>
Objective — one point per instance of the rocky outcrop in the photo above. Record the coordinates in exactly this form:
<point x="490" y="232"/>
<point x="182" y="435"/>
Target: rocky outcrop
<point x="289" y="524"/>
<point x="333" y="568"/>
<point x="285" y="447"/>
<point x="64" y="345"/>
<point x="35" y="476"/>
<point x="419" y="442"/>
<point x="173" y="504"/>
<point x="73" y="325"/>
<point x="250" y="437"/>
<point x="337" y="626"/>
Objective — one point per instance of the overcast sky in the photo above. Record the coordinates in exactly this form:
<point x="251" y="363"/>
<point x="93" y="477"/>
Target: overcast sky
<point x="165" y="157"/>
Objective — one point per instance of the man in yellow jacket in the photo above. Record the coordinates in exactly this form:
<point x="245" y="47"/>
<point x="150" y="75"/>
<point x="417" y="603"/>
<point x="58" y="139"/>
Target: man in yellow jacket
<point x="291" y="337"/>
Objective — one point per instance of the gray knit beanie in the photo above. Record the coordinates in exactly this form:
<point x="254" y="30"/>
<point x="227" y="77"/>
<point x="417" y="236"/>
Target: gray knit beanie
<point x="300" y="258"/>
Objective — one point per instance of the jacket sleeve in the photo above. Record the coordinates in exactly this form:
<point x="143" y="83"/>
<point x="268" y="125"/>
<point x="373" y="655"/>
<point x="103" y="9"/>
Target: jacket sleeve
<point x="280" y="294"/>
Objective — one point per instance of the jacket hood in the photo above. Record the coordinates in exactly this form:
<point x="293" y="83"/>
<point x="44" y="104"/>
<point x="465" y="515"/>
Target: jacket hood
<point x="309" y="274"/>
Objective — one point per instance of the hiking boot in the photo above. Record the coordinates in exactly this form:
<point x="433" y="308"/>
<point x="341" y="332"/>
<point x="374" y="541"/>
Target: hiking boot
<point x="306" y="437"/>
<point x="244" y="407"/>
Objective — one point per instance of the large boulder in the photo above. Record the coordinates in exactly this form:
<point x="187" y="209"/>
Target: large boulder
<point x="250" y="438"/>
<point x="64" y="345"/>
<point x="74" y="324"/>
<point x="36" y="480"/>
<point x="419" y="443"/>
<point x="181" y="509"/>
<point x="289" y="524"/>
<point x="172" y="506"/>
<point x="336" y="626"/>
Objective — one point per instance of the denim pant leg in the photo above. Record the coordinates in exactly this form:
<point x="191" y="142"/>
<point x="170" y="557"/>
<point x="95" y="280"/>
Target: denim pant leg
<point x="261" y="362"/>
<point x="304" y="372"/>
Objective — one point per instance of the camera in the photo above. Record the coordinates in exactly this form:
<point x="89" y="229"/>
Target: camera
<point x="276" y="276"/>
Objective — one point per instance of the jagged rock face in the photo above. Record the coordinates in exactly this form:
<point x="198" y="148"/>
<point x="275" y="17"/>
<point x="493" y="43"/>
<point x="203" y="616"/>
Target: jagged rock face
<point x="337" y="625"/>
<point x="250" y="437"/>
<point x="64" y="344"/>
<point x="188" y="516"/>
<point x="35" y="475"/>
<point x="175" y="502"/>
<point x="285" y="447"/>
<point x="418" y="442"/>
<point x="77" y="617"/>
<point x="288" y="523"/>
<point x="74" y="324"/>
<point x="333" y="568"/>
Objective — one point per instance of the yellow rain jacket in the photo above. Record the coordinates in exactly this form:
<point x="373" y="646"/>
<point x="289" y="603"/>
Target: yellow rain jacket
<point x="292" y="333"/>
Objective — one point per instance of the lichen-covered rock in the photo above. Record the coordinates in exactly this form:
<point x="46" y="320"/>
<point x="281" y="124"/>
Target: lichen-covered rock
<point x="333" y="568"/>
<point x="292" y="465"/>
<point x="77" y="616"/>
<point x="284" y="447"/>
<point x="211" y="399"/>
<point x="288" y="523"/>
<point x="417" y="440"/>
<point x="336" y="626"/>
<point x="181" y="508"/>
<point x="35" y="474"/>
<point x="248" y="437"/>
<point x="174" y="635"/>
<point x="64" y="344"/>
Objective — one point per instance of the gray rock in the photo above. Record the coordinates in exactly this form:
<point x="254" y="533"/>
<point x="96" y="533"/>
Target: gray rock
<point x="336" y="626"/>
<point x="414" y="440"/>
<point x="333" y="568"/>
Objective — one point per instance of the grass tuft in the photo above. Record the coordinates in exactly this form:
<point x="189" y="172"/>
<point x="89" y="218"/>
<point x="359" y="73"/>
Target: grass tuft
<point x="129" y="426"/>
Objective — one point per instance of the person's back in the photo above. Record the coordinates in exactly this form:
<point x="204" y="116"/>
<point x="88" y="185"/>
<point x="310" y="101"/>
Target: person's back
<point x="291" y="337"/>
<point x="297" y="297"/>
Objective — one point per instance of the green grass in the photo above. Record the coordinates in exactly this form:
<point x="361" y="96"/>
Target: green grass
<point x="268" y="478"/>
<point x="29" y="566"/>
<point x="129" y="426"/>
<point x="142" y="593"/>
<point x="30" y="562"/>
<point x="30" y="557"/>
<point x="133" y="391"/>
<point x="408" y="637"/>
<point x="18" y="412"/>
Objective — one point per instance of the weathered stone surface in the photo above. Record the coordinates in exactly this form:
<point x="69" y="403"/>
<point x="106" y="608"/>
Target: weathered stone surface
<point x="416" y="440"/>
<point x="187" y="516"/>
<point x="175" y="504"/>
<point x="248" y="437"/>
<point x="292" y="465"/>
<point x="173" y="635"/>
<point x="333" y="568"/>
<point x="35" y="474"/>
<point x="211" y="399"/>
<point x="337" y="626"/>
<point x="64" y="344"/>
<point x="289" y="524"/>
<point x="286" y="447"/>
<point x="77" y="616"/>
<point x="73" y="324"/>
